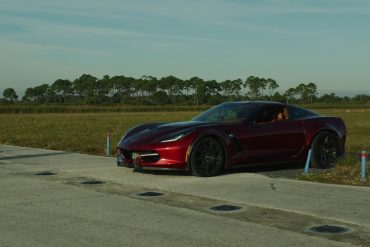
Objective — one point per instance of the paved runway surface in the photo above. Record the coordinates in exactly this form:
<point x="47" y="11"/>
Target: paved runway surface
<point x="58" y="210"/>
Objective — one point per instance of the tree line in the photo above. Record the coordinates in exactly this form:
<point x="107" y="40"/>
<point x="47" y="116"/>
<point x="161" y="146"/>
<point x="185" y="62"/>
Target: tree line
<point x="149" y="90"/>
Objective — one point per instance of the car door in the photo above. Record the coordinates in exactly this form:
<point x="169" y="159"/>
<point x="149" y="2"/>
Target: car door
<point x="269" y="138"/>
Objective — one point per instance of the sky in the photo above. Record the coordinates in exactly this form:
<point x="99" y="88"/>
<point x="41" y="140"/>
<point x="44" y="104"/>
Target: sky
<point x="325" y="42"/>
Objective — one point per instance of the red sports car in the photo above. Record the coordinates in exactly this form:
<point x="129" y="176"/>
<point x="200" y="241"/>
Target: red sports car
<point x="235" y="134"/>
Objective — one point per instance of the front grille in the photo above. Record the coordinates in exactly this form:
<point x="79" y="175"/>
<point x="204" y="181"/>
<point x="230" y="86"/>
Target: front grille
<point x="146" y="156"/>
<point x="154" y="157"/>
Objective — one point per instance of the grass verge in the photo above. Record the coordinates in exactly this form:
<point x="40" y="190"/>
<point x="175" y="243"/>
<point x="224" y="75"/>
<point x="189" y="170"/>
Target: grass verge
<point x="346" y="171"/>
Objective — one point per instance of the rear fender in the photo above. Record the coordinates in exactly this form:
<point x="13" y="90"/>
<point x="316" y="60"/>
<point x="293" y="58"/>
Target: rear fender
<point x="313" y="127"/>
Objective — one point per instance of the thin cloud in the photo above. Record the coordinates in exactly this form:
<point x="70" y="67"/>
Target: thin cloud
<point x="206" y="13"/>
<point x="37" y="47"/>
<point x="38" y="26"/>
<point x="127" y="33"/>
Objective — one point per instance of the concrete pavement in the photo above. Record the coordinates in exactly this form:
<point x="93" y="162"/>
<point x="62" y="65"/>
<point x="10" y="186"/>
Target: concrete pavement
<point x="57" y="210"/>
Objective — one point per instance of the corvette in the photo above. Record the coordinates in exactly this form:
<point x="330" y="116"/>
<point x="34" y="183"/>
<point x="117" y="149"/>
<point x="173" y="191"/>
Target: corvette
<point x="235" y="134"/>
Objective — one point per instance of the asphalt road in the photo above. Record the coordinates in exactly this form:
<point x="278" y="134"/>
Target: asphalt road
<point x="58" y="210"/>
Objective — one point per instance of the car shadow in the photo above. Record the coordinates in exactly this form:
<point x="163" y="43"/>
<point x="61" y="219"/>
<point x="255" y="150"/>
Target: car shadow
<point x="291" y="170"/>
<point x="165" y="172"/>
<point x="274" y="171"/>
<point x="285" y="170"/>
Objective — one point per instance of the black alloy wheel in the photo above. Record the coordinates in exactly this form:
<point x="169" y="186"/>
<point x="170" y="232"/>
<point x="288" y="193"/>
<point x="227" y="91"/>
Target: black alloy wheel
<point x="325" y="150"/>
<point x="207" y="157"/>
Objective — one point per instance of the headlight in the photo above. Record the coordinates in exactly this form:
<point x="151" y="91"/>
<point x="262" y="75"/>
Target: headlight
<point x="176" y="137"/>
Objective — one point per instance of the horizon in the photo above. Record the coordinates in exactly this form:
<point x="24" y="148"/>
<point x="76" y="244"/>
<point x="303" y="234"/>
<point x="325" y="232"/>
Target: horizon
<point x="291" y="42"/>
<point x="320" y="92"/>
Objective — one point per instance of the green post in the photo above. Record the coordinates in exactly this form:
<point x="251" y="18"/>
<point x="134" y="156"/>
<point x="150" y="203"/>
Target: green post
<point x="108" y="143"/>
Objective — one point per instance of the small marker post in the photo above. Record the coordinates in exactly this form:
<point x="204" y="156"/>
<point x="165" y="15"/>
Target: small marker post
<point x="307" y="166"/>
<point x="363" y="166"/>
<point x="108" y="143"/>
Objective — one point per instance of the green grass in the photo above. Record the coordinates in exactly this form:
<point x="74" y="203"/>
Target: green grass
<point x="83" y="133"/>
<point x="86" y="133"/>
<point x="358" y="127"/>
<point x="347" y="171"/>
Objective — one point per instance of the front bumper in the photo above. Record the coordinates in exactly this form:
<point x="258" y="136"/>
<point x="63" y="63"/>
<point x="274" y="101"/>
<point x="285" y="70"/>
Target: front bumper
<point x="168" y="158"/>
<point x="131" y="159"/>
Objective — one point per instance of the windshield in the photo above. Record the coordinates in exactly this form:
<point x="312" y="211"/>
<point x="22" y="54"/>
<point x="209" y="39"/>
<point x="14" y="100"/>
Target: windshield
<point x="226" y="113"/>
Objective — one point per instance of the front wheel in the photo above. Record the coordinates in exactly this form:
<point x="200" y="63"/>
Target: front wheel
<point x="207" y="157"/>
<point x="325" y="150"/>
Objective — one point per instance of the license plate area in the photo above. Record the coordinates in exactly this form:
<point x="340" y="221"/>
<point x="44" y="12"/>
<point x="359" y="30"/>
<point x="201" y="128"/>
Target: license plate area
<point x="135" y="155"/>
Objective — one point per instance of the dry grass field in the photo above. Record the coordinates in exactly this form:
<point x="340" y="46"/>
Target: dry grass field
<point x="76" y="132"/>
<point x="86" y="133"/>
<point x="358" y="127"/>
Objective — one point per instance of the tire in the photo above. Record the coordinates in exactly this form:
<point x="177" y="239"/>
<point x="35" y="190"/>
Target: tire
<point x="207" y="157"/>
<point x="325" y="150"/>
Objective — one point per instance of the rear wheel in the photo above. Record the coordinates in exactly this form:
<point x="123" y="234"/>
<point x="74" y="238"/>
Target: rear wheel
<point x="207" y="157"/>
<point x="325" y="150"/>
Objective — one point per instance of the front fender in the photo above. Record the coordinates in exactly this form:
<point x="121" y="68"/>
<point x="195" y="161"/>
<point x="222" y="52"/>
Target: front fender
<point x="223" y="139"/>
<point x="138" y="128"/>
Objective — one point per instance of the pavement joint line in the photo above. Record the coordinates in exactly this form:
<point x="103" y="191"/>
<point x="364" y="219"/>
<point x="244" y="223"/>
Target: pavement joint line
<point x="277" y="218"/>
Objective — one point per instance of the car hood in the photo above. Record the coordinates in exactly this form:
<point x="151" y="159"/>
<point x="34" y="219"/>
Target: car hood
<point x="151" y="133"/>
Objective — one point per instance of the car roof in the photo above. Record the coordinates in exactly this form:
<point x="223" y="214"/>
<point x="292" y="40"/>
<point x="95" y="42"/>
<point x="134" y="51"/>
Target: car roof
<point x="258" y="103"/>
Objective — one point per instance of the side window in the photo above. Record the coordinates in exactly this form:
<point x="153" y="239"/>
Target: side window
<point x="271" y="115"/>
